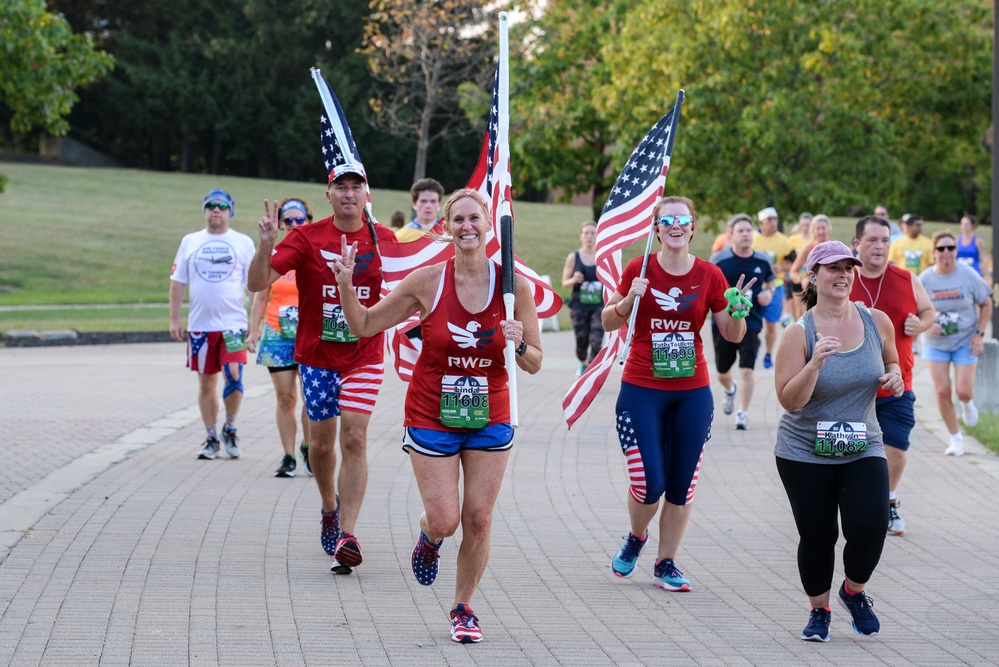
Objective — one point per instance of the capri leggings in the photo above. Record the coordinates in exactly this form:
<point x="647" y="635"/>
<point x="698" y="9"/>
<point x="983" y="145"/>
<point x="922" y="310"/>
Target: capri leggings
<point x="662" y="435"/>
<point x="858" y="490"/>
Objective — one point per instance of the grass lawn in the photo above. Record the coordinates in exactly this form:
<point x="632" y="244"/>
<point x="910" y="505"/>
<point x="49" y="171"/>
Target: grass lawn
<point x="108" y="236"/>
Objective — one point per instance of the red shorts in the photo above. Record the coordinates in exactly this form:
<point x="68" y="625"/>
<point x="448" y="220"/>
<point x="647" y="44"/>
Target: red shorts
<point x="207" y="353"/>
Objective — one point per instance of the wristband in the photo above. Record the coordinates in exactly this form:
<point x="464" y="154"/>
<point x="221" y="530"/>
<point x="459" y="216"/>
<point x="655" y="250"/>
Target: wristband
<point x="522" y="348"/>
<point x="738" y="305"/>
<point x="624" y="317"/>
<point x="979" y="332"/>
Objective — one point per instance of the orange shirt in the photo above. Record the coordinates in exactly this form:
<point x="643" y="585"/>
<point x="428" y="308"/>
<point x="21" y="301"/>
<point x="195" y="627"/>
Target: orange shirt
<point x="284" y="292"/>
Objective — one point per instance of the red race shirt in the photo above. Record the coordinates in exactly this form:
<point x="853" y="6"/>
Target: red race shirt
<point x="461" y="363"/>
<point x="671" y="315"/>
<point x="310" y="250"/>
<point x="891" y="294"/>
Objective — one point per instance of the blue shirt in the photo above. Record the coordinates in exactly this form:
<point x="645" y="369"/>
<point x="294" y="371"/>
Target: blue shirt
<point x="756" y="266"/>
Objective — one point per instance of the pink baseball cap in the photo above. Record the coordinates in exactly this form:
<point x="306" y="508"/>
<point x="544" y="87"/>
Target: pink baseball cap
<point x="828" y="252"/>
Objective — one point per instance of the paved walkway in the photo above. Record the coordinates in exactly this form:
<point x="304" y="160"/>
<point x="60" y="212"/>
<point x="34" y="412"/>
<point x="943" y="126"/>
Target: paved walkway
<point x="119" y="547"/>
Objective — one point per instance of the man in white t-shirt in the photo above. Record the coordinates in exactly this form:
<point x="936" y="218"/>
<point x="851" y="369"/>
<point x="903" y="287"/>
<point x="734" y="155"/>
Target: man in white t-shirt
<point x="212" y="264"/>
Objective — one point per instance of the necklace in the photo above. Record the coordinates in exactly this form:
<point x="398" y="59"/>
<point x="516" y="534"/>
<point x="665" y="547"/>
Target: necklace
<point x="874" y="300"/>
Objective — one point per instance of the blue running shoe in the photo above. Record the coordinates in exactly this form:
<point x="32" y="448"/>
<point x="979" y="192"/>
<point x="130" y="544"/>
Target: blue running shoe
<point x="331" y="528"/>
<point x="669" y="577"/>
<point x="817" y="629"/>
<point x="626" y="560"/>
<point x="426" y="560"/>
<point x="860" y="607"/>
<point x="767" y="361"/>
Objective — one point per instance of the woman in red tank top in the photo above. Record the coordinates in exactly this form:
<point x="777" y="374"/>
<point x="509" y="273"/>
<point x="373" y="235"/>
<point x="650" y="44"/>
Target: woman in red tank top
<point x="457" y="406"/>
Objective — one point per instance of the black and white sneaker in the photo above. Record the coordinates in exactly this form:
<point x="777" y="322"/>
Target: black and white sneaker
<point x="210" y="449"/>
<point x="287" y="468"/>
<point x="303" y="449"/>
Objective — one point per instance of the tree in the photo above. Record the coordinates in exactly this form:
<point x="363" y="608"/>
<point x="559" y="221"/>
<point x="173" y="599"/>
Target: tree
<point x="42" y="63"/>
<point x="806" y="105"/>
<point x="562" y="139"/>
<point x="419" y="53"/>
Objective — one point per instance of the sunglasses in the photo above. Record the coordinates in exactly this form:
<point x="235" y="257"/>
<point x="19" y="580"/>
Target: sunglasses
<point x="670" y="220"/>
<point x="946" y="248"/>
<point x="291" y="222"/>
<point x="214" y="205"/>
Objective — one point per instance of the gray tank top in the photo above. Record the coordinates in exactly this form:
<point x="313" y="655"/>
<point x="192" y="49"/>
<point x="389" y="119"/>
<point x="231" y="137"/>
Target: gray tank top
<point x="840" y="417"/>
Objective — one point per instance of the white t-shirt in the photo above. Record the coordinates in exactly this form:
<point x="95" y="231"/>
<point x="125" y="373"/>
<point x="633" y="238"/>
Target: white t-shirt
<point x="214" y="267"/>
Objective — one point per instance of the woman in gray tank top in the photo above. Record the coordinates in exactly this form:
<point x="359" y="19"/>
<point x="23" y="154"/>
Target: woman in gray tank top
<point x="829" y="449"/>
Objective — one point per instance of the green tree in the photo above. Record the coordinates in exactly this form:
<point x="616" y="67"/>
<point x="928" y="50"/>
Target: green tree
<point x="806" y="105"/>
<point x="419" y="53"/>
<point x="561" y="138"/>
<point x="42" y="63"/>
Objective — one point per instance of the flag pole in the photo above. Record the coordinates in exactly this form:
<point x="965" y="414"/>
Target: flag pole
<point x="667" y="153"/>
<point x="504" y="214"/>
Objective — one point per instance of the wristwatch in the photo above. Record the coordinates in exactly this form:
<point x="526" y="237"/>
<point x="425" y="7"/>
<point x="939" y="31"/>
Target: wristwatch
<point x="522" y="350"/>
<point x="979" y="332"/>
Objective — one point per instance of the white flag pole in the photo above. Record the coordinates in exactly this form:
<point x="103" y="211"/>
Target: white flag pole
<point x="503" y="215"/>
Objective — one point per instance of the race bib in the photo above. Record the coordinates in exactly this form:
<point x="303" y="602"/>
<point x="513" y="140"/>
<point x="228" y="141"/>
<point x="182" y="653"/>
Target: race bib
<point x="335" y="328"/>
<point x="948" y="322"/>
<point x="838" y="439"/>
<point x="591" y="293"/>
<point x="288" y="321"/>
<point x="464" y="401"/>
<point x="673" y="355"/>
<point x="235" y="341"/>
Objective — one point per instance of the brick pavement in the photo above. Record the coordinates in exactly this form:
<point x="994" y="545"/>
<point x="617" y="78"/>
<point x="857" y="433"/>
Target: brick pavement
<point x="147" y="556"/>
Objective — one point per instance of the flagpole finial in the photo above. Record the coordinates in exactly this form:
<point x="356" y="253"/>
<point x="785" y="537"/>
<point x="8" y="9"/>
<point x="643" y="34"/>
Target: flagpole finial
<point x="502" y="16"/>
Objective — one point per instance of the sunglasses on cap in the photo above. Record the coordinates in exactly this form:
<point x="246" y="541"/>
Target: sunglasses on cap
<point x="291" y="222"/>
<point x="213" y="205"/>
<point x="946" y="248"/>
<point x="670" y="220"/>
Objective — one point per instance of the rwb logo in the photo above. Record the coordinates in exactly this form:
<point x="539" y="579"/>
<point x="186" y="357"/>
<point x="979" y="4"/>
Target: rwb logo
<point x="673" y="300"/>
<point x="470" y="337"/>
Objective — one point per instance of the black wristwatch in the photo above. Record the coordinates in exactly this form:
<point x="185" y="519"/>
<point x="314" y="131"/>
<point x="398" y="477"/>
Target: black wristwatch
<point x="522" y="350"/>
<point x="979" y="332"/>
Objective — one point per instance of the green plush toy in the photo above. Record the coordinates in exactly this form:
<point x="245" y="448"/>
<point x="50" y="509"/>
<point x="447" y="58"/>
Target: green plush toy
<point x="738" y="305"/>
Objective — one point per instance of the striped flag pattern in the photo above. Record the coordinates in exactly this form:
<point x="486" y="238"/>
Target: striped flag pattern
<point x="625" y="218"/>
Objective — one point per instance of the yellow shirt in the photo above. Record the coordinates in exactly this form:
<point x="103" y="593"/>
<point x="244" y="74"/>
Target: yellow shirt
<point x="799" y="242"/>
<point x="914" y="254"/>
<point x="776" y="247"/>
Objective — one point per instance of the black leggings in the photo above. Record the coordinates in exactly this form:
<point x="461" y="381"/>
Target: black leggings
<point x="859" y="490"/>
<point x="589" y="330"/>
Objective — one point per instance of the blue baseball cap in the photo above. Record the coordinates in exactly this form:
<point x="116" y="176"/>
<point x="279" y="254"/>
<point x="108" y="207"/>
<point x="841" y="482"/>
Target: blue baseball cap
<point x="220" y="196"/>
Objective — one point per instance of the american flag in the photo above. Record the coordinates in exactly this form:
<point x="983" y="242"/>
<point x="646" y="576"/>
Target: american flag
<point x="626" y="217"/>
<point x="491" y="179"/>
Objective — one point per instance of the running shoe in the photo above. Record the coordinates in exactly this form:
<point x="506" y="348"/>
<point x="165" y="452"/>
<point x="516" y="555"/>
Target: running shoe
<point x="741" y="421"/>
<point x="956" y="447"/>
<point x="669" y="577"/>
<point x="729" y="403"/>
<point x="348" y="550"/>
<point x="331" y="528"/>
<point x="896" y="524"/>
<point x="426" y="560"/>
<point x="464" y="625"/>
<point x="817" y="629"/>
<point x="303" y="449"/>
<point x="287" y="468"/>
<point x="231" y="442"/>
<point x="626" y="560"/>
<point x="767" y="361"/>
<point x="860" y="607"/>
<point x="209" y="449"/>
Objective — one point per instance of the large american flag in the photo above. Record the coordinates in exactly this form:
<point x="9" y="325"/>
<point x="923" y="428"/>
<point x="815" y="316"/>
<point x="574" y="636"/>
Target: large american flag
<point x="626" y="217"/>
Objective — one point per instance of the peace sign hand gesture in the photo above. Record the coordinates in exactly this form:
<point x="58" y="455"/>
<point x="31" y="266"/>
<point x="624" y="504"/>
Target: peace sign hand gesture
<point x="738" y="303"/>
<point x="268" y="226"/>
<point x="343" y="267"/>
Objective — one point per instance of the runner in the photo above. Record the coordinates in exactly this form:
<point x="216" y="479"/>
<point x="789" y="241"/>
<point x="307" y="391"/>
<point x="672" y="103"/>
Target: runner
<point x="341" y="374"/>
<point x="275" y="337"/>
<point x="829" y="450"/>
<point x="586" y="303"/>
<point x="214" y="263"/>
<point x="665" y="407"/>
<point x="457" y="423"/>
<point x="900" y="296"/>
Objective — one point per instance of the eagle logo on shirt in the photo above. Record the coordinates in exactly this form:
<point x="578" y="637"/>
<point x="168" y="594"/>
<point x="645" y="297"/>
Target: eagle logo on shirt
<point x="674" y="299"/>
<point x="471" y="337"/>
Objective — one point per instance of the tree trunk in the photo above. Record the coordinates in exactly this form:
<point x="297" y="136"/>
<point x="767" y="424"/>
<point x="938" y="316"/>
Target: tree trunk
<point x="185" y="156"/>
<point x="422" y="146"/>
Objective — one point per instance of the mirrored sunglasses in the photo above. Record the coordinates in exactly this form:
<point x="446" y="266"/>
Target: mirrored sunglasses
<point x="291" y="222"/>
<point x="670" y="220"/>
<point x="213" y="205"/>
